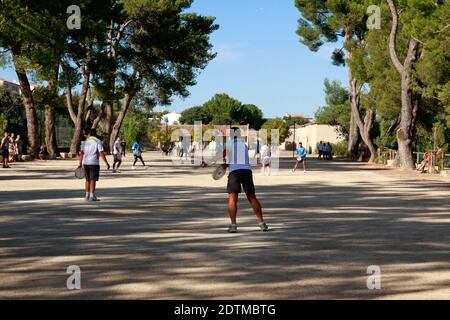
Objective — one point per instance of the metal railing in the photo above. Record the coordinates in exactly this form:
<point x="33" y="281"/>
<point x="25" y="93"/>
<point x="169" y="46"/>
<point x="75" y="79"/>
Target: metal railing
<point x="438" y="161"/>
<point x="384" y="155"/>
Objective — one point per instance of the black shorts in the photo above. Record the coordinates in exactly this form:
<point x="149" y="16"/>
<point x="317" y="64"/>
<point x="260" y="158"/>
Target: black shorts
<point x="5" y="153"/>
<point x="238" y="178"/>
<point x="92" y="172"/>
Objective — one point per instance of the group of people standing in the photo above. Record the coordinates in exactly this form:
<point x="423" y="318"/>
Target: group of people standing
<point x="325" y="150"/>
<point x="11" y="149"/>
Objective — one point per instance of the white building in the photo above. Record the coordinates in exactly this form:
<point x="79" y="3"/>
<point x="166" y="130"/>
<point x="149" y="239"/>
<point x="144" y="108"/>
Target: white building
<point x="171" y="118"/>
<point x="311" y="134"/>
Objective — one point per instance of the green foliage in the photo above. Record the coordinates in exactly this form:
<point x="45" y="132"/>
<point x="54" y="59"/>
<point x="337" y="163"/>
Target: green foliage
<point x="135" y="127"/>
<point x="247" y="114"/>
<point x="387" y="136"/>
<point x="189" y="116"/>
<point x="323" y="21"/>
<point x="277" y="124"/>
<point x="3" y="123"/>
<point x="340" y="148"/>
<point x="158" y="133"/>
<point x="222" y="110"/>
<point x="221" y="107"/>
<point x="11" y="107"/>
<point x="290" y="121"/>
<point x="326" y="21"/>
<point x="438" y="137"/>
<point x="150" y="50"/>
<point x="337" y="110"/>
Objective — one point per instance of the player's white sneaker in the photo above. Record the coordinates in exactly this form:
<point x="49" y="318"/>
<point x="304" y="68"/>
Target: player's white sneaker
<point x="133" y="168"/>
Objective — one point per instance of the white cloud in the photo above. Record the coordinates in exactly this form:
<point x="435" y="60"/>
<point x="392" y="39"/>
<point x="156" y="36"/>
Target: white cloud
<point x="230" y="53"/>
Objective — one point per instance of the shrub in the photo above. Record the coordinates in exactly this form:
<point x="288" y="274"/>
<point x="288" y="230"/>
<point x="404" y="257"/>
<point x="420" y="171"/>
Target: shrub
<point x="340" y="148"/>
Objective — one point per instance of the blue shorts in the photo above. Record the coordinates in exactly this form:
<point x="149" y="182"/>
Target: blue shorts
<point x="5" y="153"/>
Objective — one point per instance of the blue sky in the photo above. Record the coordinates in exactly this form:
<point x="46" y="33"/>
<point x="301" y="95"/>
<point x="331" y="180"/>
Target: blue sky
<point x="260" y="59"/>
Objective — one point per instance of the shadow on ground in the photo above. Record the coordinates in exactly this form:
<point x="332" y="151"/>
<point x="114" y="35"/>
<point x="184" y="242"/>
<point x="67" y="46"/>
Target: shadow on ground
<point x="169" y="242"/>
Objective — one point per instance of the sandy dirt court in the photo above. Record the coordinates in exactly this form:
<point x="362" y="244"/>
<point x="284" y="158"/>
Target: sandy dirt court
<point x="160" y="233"/>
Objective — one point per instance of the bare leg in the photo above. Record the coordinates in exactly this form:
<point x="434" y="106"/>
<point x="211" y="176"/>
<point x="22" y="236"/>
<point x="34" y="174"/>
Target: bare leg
<point x="304" y="165"/>
<point x="232" y="207"/>
<point x="92" y="186"/>
<point x="86" y="186"/>
<point x="256" y="207"/>
<point x="296" y="166"/>
<point x="118" y="164"/>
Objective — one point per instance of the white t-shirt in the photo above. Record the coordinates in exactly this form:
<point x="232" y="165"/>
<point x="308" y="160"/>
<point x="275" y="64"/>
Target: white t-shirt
<point x="91" y="149"/>
<point x="237" y="156"/>
<point x="116" y="148"/>
<point x="265" y="151"/>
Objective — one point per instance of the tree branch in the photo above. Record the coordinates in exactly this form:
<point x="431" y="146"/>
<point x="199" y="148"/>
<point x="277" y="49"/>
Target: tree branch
<point x="69" y="100"/>
<point x="393" y="37"/>
<point x="443" y="29"/>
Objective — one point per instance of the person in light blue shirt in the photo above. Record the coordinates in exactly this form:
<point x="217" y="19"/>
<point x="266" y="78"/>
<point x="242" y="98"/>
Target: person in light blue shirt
<point x="238" y="161"/>
<point x="137" y="153"/>
<point x="301" y="157"/>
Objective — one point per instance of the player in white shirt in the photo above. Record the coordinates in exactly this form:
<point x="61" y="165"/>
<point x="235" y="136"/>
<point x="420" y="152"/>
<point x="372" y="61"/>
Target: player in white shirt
<point x="90" y="154"/>
<point x="266" y="159"/>
<point x="117" y="156"/>
<point x="240" y="174"/>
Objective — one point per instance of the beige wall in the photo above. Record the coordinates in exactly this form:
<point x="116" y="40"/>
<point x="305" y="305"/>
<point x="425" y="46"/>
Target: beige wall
<point x="10" y="85"/>
<point x="311" y="135"/>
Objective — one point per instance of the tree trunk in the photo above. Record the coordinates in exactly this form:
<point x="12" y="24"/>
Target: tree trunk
<point x="367" y="133"/>
<point x="99" y="117"/>
<point x="69" y="100"/>
<point x="89" y="109"/>
<point x="410" y="104"/>
<point x="123" y="111"/>
<point x="364" y="128"/>
<point x="80" y="119"/>
<point x="50" y="128"/>
<point x="405" y="133"/>
<point x="28" y="102"/>
<point x="50" y="132"/>
<point x="353" y="138"/>
<point x="108" y="127"/>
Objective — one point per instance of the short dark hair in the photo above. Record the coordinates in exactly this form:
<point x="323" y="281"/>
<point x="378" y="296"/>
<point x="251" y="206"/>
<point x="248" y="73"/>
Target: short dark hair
<point x="235" y="132"/>
<point x="93" y="132"/>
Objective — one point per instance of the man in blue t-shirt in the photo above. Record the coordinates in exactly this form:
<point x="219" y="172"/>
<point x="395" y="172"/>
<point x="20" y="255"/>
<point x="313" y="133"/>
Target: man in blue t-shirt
<point x="301" y="157"/>
<point x="237" y="158"/>
<point x="137" y="154"/>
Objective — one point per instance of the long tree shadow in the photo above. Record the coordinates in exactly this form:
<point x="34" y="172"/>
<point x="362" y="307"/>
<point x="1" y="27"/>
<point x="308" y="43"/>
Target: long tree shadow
<point x="170" y="242"/>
